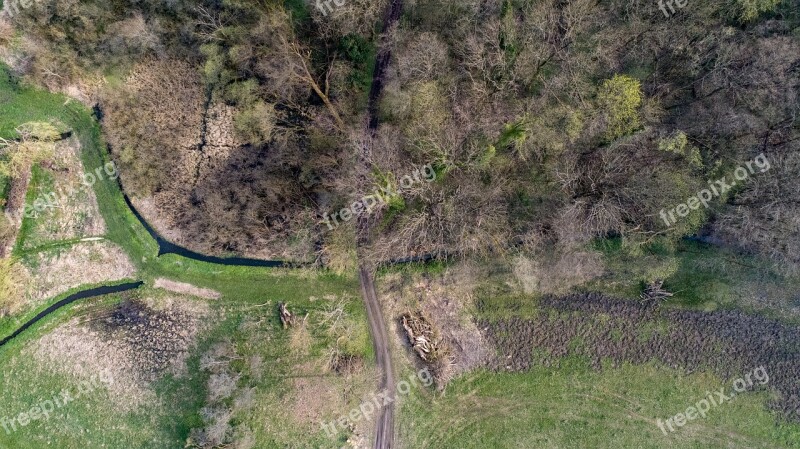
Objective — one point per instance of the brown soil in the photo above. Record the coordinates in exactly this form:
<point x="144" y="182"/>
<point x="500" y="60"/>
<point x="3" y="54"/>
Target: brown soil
<point x="186" y="289"/>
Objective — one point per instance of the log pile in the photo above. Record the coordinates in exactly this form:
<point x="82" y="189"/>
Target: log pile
<point x="287" y="319"/>
<point x="655" y="292"/>
<point x="421" y="336"/>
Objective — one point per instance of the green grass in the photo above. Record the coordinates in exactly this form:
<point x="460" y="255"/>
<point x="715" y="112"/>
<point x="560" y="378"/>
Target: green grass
<point x="273" y="384"/>
<point x="245" y="316"/>
<point x="575" y="407"/>
<point x="22" y="104"/>
<point x="41" y="181"/>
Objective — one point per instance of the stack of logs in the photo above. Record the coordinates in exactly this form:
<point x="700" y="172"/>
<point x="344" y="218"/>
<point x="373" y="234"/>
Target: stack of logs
<point x="420" y="335"/>
<point x="655" y="292"/>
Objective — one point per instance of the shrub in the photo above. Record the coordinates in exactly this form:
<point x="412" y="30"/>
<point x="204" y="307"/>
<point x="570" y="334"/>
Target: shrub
<point x="619" y="100"/>
<point x="678" y="143"/>
<point x="255" y="124"/>
<point x="243" y="93"/>
<point x="748" y="10"/>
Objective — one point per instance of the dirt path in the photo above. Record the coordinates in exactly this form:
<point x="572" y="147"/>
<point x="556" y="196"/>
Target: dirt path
<point x="384" y="428"/>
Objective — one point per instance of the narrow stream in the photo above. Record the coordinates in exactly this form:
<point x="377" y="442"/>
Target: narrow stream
<point x="91" y="293"/>
<point x="167" y="247"/>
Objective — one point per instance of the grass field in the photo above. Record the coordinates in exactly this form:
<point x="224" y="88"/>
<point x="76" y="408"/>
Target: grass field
<point x="254" y="333"/>
<point x="571" y="404"/>
<point x="91" y="420"/>
<point x="573" y="407"/>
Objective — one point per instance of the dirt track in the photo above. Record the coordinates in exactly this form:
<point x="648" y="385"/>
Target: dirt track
<point x="384" y="428"/>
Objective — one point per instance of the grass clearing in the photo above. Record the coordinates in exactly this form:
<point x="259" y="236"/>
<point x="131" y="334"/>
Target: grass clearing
<point x="69" y="209"/>
<point x="94" y="419"/>
<point x="571" y="403"/>
<point x="282" y="392"/>
<point x="576" y="407"/>
<point x="62" y="268"/>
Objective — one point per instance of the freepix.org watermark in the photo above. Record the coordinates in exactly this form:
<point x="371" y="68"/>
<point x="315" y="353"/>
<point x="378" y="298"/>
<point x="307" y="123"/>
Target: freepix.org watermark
<point x="380" y="196"/>
<point x="714" y="399"/>
<point x="325" y="6"/>
<point x="56" y="198"/>
<point x="44" y="408"/>
<point x="671" y="4"/>
<point x="716" y="189"/>
<point x="13" y="7"/>
<point x="378" y="400"/>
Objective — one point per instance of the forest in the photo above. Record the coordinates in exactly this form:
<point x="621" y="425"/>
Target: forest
<point x="237" y="124"/>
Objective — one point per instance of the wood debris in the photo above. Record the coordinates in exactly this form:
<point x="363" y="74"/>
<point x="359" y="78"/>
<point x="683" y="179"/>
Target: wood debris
<point x="655" y="292"/>
<point x="287" y="319"/>
<point x="421" y="336"/>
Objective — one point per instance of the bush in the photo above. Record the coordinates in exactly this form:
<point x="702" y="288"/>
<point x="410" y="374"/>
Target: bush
<point x="678" y="143"/>
<point x="748" y="10"/>
<point x="619" y="100"/>
<point x="255" y="124"/>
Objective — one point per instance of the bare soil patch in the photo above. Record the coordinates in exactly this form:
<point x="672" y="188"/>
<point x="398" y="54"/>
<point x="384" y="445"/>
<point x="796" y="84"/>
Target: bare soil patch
<point x="135" y="343"/>
<point x="186" y="289"/>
